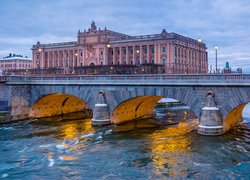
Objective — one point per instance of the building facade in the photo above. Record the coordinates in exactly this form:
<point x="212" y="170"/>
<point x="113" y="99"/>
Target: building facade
<point x="170" y="52"/>
<point x="15" y="62"/>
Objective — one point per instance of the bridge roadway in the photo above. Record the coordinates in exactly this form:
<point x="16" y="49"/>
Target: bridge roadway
<point x="129" y="96"/>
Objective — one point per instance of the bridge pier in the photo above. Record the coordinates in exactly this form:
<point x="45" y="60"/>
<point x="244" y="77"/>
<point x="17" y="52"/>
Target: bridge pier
<point x="101" y="114"/>
<point x="210" y="121"/>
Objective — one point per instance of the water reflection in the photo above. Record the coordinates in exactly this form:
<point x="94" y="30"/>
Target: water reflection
<point x="73" y="129"/>
<point x="169" y="146"/>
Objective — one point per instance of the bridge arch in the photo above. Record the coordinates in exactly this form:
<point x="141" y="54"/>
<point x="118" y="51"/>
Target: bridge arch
<point x="233" y="117"/>
<point x="186" y="95"/>
<point x="134" y="108"/>
<point x="58" y="104"/>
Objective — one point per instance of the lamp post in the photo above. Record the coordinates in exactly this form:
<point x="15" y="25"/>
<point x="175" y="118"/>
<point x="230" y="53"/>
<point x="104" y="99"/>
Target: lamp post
<point x="216" y="49"/>
<point x="200" y="41"/>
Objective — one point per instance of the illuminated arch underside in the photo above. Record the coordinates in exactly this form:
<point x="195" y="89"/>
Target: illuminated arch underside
<point x="135" y="108"/>
<point x="233" y="118"/>
<point x="57" y="104"/>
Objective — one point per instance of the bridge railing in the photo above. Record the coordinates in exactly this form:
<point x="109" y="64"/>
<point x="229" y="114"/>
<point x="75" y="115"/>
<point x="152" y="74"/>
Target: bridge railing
<point x="3" y="78"/>
<point x="139" y="77"/>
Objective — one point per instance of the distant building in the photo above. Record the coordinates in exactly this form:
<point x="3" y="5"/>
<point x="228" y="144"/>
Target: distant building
<point x="107" y="51"/>
<point x="15" y="62"/>
<point x="228" y="70"/>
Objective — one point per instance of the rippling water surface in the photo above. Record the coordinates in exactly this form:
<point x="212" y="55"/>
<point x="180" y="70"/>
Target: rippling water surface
<point x="149" y="149"/>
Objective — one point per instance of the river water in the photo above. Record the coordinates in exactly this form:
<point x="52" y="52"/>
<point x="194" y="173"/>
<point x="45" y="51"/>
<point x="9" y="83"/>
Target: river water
<point x="162" y="148"/>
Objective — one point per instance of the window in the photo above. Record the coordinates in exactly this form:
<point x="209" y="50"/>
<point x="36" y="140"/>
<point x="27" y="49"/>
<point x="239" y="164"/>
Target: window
<point x="153" y="61"/>
<point x="146" y="61"/>
<point x="138" y="62"/>
<point x="101" y="62"/>
<point x="124" y="51"/>
<point x="131" y="51"/>
<point x="131" y="62"/>
<point x="101" y="52"/>
<point x="112" y="52"/>
<point x="164" y="49"/>
<point x="153" y="50"/>
<point x="145" y="50"/>
<point x="81" y="53"/>
<point x="118" y="52"/>
<point x="164" y="61"/>
<point x="124" y="62"/>
<point x="118" y="62"/>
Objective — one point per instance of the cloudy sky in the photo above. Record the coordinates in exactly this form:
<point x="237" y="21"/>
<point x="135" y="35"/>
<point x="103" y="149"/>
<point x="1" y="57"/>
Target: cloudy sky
<point x="222" y="23"/>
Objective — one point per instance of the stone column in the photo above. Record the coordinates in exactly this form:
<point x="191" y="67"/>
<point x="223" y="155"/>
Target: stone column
<point x="83" y="56"/>
<point x="105" y="56"/>
<point x="210" y="121"/>
<point x="114" y="55"/>
<point x="141" y="55"/>
<point x="159" y="54"/>
<point x="148" y="51"/>
<point x="42" y="59"/>
<point x="155" y="48"/>
<point x="78" y="58"/>
<point x="134" y="55"/>
<point x="101" y="114"/>
<point x="127" y="55"/>
<point x="53" y="60"/>
<point x="120" y="56"/>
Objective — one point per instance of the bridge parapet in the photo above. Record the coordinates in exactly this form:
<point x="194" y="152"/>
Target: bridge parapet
<point x="157" y="79"/>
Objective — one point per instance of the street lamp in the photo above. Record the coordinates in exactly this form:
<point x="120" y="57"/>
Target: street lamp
<point x="216" y="49"/>
<point x="200" y="41"/>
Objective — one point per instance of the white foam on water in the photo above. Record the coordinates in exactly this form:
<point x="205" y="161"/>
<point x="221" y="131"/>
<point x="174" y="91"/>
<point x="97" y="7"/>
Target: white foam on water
<point x="108" y="132"/>
<point x="4" y="175"/>
<point x="99" y="137"/>
<point x="62" y="145"/>
<point x="51" y="162"/>
<point x="7" y="128"/>
<point x="45" y="146"/>
<point x="201" y="164"/>
<point x="241" y="148"/>
<point x="23" y="150"/>
<point x="75" y="143"/>
<point x="87" y="135"/>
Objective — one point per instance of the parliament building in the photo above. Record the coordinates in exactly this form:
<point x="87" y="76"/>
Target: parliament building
<point x="102" y="51"/>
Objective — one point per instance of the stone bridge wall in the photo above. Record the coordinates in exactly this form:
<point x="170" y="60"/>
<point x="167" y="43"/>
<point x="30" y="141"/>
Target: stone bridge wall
<point x="22" y="97"/>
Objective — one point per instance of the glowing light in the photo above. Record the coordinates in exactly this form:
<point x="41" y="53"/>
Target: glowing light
<point x="108" y="45"/>
<point x="168" y="146"/>
<point x="199" y="40"/>
<point x="39" y="49"/>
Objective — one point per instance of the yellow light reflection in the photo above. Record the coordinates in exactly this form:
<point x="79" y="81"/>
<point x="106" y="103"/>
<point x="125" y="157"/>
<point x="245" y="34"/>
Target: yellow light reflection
<point x="168" y="147"/>
<point x="67" y="158"/>
<point x="73" y="129"/>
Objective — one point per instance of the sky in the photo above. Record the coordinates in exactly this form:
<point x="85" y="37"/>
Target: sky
<point x="222" y="23"/>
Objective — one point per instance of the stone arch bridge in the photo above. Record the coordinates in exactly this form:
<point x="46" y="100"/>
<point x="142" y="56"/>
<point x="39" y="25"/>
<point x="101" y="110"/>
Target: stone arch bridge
<point x="128" y="96"/>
